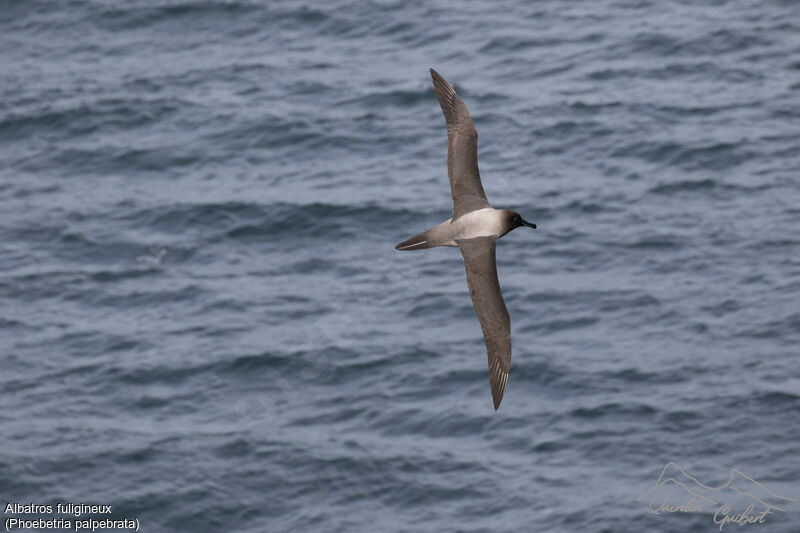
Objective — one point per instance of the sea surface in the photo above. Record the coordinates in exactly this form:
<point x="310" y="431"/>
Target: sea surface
<point x="205" y="325"/>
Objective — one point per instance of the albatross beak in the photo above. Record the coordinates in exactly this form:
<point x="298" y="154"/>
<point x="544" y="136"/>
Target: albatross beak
<point x="529" y="224"/>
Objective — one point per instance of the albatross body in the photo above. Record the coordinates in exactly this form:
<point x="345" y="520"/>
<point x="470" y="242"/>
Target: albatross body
<point x="474" y="228"/>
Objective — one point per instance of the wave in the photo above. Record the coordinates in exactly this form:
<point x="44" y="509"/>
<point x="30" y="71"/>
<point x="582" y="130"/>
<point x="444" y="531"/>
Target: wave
<point x="104" y="114"/>
<point x="714" y="156"/>
<point x="239" y="220"/>
<point x="114" y="17"/>
<point x="714" y="43"/>
<point x="515" y="43"/>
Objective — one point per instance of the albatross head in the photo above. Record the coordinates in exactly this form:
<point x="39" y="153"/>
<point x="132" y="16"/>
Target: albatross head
<point x="512" y="220"/>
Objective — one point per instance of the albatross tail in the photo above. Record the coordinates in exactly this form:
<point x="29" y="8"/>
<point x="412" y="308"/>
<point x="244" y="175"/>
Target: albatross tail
<point x="418" y="242"/>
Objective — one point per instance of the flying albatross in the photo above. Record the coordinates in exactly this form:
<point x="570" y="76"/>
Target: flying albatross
<point x="474" y="228"/>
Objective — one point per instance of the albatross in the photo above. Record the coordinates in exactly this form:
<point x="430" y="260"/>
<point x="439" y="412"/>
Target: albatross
<point x="474" y="229"/>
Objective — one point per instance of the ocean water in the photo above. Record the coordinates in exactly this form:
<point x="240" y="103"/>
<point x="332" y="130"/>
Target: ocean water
<point x="204" y="324"/>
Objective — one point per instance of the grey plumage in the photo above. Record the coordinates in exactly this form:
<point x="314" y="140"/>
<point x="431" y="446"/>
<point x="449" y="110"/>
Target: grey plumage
<point x="487" y="298"/>
<point x="462" y="150"/>
<point x="474" y="228"/>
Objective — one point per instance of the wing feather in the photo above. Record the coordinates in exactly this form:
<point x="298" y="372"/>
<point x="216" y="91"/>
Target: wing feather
<point x="462" y="150"/>
<point x="487" y="298"/>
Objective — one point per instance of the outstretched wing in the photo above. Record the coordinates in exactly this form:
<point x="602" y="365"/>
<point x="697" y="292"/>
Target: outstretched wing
<point x="479" y="259"/>
<point x="462" y="150"/>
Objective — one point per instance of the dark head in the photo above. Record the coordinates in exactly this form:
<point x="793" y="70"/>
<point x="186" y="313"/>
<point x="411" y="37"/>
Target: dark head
<point x="514" y="220"/>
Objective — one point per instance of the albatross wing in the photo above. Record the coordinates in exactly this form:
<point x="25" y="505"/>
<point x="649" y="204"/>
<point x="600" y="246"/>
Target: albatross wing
<point x="484" y="287"/>
<point x="462" y="150"/>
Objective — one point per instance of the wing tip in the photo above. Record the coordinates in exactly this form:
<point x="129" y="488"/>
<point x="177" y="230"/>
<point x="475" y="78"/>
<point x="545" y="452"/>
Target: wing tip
<point x="439" y="82"/>
<point x="498" y="386"/>
<point x="497" y="397"/>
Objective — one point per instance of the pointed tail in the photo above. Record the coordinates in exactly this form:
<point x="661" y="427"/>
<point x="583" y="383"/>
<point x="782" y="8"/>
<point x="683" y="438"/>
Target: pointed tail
<point x="417" y="242"/>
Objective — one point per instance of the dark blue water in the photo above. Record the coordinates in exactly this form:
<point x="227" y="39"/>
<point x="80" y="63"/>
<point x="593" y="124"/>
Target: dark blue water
<point x="204" y="324"/>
